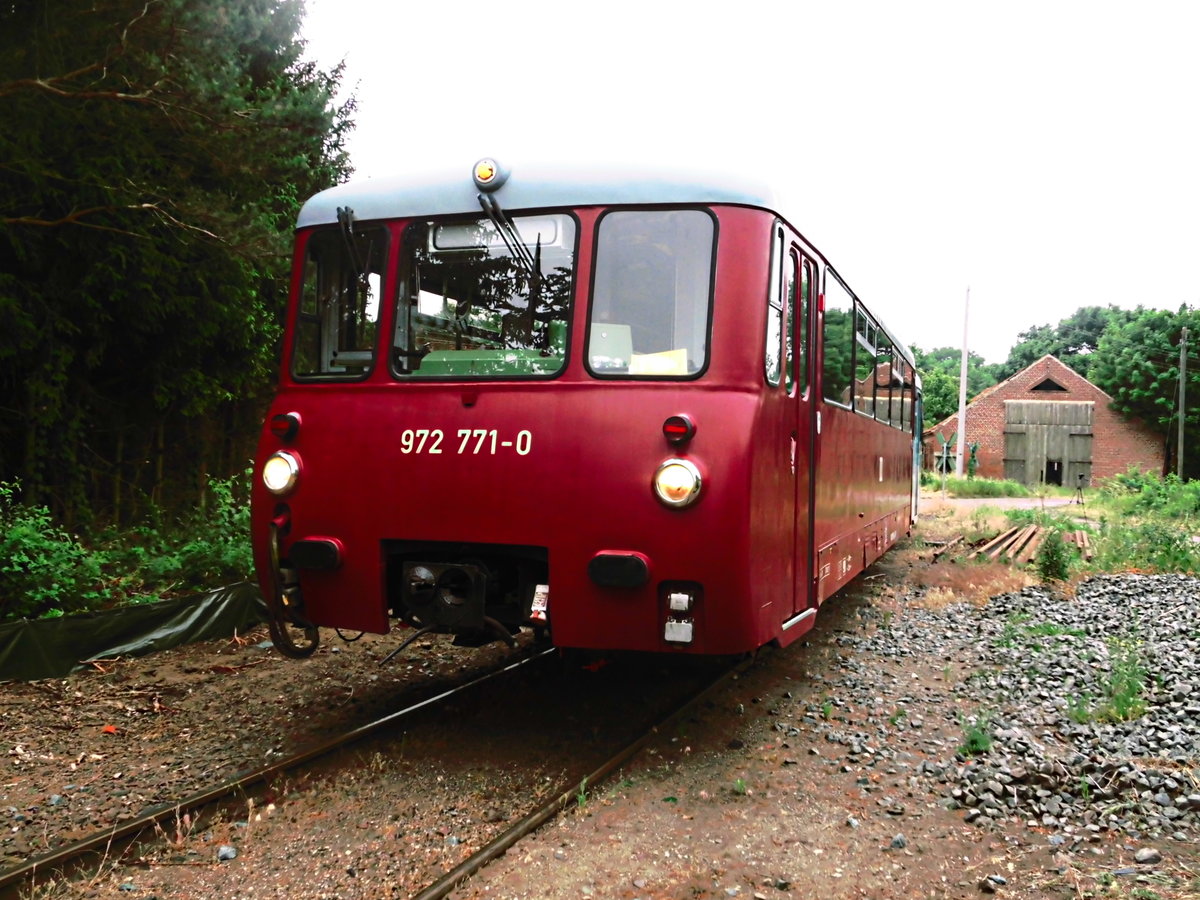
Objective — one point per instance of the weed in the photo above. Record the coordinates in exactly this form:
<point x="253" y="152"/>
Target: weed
<point x="977" y="736"/>
<point x="1012" y="630"/>
<point x="1126" y="681"/>
<point x="1052" y="629"/>
<point x="897" y="716"/>
<point x="1080" y="709"/>
<point x="581" y="797"/>
<point x="826" y="709"/>
<point x="739" y="786"/>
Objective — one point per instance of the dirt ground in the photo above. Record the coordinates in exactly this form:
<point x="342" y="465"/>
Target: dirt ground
<point x="746" y="798"/>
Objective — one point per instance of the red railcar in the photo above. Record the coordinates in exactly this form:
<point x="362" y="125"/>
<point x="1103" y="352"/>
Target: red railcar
<point x="628" y="411"/>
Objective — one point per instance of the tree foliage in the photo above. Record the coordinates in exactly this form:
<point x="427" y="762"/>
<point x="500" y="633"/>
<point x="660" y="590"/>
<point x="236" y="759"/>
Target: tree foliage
<point x="940" y="370"/>
<point x="151" y="165"/>
<point x="1072" y="341"/>
<point x="1137" y="362"/>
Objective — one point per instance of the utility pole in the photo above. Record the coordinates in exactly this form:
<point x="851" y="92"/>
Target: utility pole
<point x="1182" y="404"/>
<point x="961" y="448"/>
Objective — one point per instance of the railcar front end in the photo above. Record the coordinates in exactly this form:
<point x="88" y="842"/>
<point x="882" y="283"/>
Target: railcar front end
<point x="508" y="413"/>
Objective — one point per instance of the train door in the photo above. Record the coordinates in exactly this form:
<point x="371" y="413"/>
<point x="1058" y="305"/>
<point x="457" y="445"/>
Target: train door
<point x="775" y="517"/>
<point x="799" y="280"/>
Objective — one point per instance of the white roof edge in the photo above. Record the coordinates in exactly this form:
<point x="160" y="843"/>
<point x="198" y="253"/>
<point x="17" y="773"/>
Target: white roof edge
<point x="530" y="186"/>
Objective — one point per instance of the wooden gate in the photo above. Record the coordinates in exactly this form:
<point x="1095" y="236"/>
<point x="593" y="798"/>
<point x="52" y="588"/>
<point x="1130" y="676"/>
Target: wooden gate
<point x="1048" y="441"/>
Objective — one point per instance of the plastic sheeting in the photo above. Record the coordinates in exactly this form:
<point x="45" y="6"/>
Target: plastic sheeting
<point x="51" y="648"/>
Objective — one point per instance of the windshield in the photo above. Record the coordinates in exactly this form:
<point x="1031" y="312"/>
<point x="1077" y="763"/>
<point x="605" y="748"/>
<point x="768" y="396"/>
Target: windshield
<point x="339" y="303"/>
<point x="650" y="306"/>
<point x="481" y="299"/>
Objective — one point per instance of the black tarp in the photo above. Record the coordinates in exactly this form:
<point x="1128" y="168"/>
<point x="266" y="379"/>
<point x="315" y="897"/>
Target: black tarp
<point x="51" y="648"/>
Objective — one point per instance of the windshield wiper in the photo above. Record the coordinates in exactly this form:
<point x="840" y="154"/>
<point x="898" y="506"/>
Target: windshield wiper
<point x="345" y="217"/>
<point x="509" y="234"/>
<point x="530" y="263"/>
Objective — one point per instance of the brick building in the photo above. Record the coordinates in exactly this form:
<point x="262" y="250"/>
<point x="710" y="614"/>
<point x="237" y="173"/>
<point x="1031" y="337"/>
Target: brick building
<point x="1049" y="424"/>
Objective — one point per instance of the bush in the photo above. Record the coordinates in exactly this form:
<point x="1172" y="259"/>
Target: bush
<point x="1053" y="558"/>
<point x="43" y="570"/>
<point x="1152" y="546"/>
<point x="1144" y="493"/>
<point x="46" y="572"/>
<point x="985" y="487"/>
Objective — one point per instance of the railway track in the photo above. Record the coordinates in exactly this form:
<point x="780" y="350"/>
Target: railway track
<point x="104" y="841"/>
<point x="113" y="844"/>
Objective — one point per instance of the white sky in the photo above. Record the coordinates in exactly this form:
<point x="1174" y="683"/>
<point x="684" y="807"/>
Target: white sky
<point x="1045" y="154"/>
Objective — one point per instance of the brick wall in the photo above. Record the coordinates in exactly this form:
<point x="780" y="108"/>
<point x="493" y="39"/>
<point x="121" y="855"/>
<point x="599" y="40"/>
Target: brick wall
<point x="1117" y="443"/>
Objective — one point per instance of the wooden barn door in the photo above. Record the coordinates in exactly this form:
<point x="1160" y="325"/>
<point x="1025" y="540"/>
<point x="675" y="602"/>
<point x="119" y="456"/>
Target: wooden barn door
<point x="1048" y="441"/>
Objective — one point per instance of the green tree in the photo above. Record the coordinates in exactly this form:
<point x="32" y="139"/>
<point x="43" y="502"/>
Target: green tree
<point x="940" y="395"/>
<point x="940" y="369"/>
<point x="1072" y="341"/>
<point x="151" y="165"/>
<point x="1137" y="362"/>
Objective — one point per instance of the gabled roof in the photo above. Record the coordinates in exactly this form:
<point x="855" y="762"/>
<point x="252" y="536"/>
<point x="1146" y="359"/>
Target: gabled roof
<point x="1048" y="359"/>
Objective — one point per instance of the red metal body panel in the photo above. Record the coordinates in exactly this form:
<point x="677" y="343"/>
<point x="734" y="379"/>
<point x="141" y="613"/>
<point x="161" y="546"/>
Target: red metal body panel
<point x="584" y="484"/>
<point x="863" y="478"/>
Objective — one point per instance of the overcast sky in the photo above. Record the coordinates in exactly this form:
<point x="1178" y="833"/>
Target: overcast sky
<point x="1044" y="154"/>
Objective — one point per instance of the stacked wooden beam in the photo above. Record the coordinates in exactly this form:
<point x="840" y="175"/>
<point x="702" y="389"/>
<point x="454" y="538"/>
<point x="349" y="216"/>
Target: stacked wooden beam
<point x="1017" y="545"/>
<point x="1081" y="540"/>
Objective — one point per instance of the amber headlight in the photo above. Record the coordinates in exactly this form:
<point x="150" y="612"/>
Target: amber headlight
<point x="677" y="483"/>
<point x="280" y="472"/>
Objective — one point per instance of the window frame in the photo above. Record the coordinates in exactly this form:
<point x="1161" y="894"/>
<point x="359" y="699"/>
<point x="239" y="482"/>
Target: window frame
<point x="302" y="319"/>
<point x="403" y="285"/>
<point x="709" y="299"/>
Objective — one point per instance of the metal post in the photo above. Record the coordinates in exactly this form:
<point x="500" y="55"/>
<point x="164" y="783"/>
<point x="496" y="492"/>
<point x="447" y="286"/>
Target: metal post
<point x="1182" y="404"/>
<point x="962" y="395"/>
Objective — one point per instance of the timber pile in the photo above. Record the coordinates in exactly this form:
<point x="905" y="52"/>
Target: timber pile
<point x="1018" y="545"/>
<point x="946" y="547"/>
<point x="1080" y="539"/>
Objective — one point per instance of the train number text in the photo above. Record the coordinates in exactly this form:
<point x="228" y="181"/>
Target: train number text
<point x="471" y="441"/>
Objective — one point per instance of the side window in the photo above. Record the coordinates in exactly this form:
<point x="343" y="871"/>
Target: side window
<point x="884" y="379"/>
<point x="798" y="321"/>
<point x="901" y="411"/>
<point x="789" y="337"/>
<point x="837" y="341"/>
<point x="864" y="363"/>
<point x="775" y="295"/>
<point x="339" y="303"/>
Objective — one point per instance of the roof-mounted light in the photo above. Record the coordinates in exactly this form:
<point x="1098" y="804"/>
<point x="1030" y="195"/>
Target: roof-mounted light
<point x="488" y="174"/>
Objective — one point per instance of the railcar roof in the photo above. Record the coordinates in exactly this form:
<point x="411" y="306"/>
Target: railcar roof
<point x="530" y="186"/>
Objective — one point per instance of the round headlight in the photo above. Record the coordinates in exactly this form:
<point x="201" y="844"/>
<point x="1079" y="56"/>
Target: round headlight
<point x="280" y="472"/>
<point x="677" y="483"/>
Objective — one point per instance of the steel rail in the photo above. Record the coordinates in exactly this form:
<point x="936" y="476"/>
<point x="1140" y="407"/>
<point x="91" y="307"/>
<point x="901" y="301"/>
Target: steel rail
<point x="151" y="817"/>
<point x="503" y="842"/>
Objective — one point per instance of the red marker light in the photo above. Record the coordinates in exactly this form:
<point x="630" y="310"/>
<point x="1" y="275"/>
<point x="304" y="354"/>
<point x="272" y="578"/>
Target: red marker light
<point x="678" y="429"/>
<point x="285" y="425"/>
